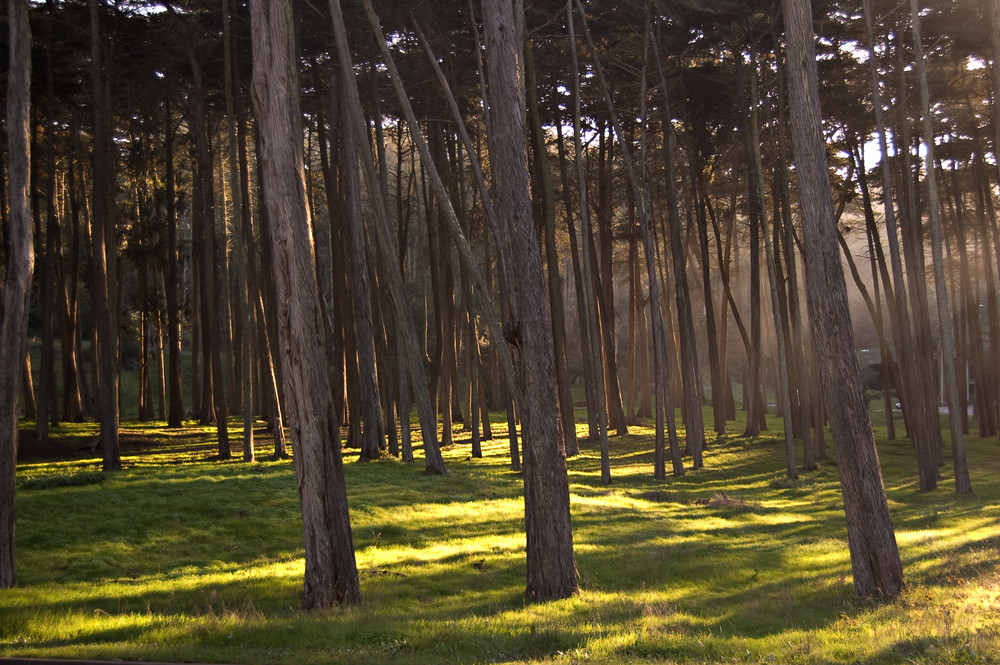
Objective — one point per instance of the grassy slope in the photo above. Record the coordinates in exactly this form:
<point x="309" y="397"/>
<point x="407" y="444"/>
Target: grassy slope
<point x="183" y="558"/>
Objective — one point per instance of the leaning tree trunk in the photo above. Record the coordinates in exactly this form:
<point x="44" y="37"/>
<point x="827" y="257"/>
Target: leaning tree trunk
<point x="551" y="564"/>
<point x="331" y="574"/>
<point x="871" y="539"/>
<point x="415" y="370"/>
<point x="17" y="279"/>
<point x="919" y="407"/>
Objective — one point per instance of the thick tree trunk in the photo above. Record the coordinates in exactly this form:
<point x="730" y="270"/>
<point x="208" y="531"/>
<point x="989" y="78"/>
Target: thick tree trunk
<point x="551" y="564"/>
<point x="17" y="278"/>
<point x="874" y="555"/>
<point x="331" y="574"/>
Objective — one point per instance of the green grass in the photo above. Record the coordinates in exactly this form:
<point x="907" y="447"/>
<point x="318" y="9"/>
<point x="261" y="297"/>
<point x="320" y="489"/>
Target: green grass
<point x="181" y="557"/>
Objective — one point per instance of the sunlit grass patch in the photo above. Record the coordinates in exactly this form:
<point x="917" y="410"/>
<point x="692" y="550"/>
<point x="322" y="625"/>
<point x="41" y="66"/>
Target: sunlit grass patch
<point x="181" y="557"/>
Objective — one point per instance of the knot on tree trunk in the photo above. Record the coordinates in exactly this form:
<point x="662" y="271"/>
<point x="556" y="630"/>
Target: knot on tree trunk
<point x="511" y="331"/>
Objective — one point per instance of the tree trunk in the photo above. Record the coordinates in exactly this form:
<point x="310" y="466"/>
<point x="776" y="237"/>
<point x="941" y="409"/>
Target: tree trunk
<point x="963" y="484"/>
<point x="17" y="279"/>
<point x="241" y="243"/>
<point x="664" y="404"/>
<point x="103" y="258"/>
<point x="74" y="405"/>
<point x="581" y="281"/>
<point x="919" y="407"/>
<point x="550" y="561"/>
<point x="874" y="555"/>
<point x="176" y="413"/>
<point x="756" y="410"/>
<point x="415" y="369"/>
<point x="586" y="304"/>
<point x="603" y="273"/>
<point x="369" y="414"/>
<point x="212" y="316"/>
<point x="543" y="168"/>
<point x="690" y="375"/>
<point x="331" y="574"/>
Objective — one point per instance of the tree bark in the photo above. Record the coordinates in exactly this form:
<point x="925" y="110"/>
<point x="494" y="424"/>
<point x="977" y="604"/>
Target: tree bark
<point x="331" y="574"/>
<point x="551" y="564"/>
<point x="872" y="542"/>
<point x="17" y="279"/>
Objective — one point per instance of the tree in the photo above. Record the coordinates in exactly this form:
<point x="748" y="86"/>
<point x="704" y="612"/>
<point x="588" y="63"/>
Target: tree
<point x="871" y="539"/>
<point x="17" y="278"/>
<point x="331" y="574"/>
<point x="963" y="485"/>
<point x="551" y="564"/>
<point x="103" y="260"/>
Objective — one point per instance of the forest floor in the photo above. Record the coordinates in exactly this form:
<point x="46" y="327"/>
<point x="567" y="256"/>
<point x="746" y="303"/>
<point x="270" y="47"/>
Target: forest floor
<point x="182" y="557"/>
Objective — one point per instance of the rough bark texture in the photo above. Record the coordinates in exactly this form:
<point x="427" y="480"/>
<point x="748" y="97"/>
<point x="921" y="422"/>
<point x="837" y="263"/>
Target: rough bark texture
<point x="331" y="574"/>
<point x="17" y="281"/>
<point x="551" y="564"/>
<point x="874" y="555"/>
